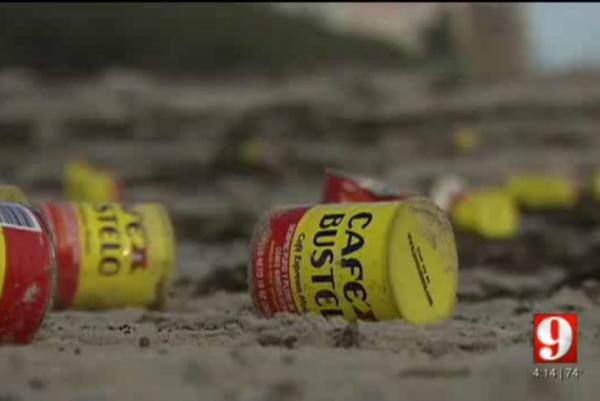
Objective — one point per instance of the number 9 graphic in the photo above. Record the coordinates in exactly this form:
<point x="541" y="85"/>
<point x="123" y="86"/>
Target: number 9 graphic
<point x="555" y="338"/>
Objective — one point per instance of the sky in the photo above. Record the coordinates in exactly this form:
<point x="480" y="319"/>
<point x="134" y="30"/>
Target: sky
<point x="564" y="35"/>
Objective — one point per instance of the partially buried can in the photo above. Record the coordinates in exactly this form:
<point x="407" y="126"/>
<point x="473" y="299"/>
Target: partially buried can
<point x="368" y="261"/>
<point x="111" y="255"/>
<point x="27" y="272"/>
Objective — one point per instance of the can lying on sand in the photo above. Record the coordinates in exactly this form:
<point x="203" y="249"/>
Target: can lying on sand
<point x="490" y="211"/>
<point x="368" y="261"/>
<point x="27" y="272"/>
<point x="111" y="255"/>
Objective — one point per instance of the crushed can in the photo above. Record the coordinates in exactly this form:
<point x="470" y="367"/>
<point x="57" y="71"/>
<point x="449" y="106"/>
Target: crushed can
<point x="343" y="187"/>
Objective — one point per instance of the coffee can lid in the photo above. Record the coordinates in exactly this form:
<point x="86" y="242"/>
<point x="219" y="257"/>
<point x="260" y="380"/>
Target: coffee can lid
<point x="422" y="262"/>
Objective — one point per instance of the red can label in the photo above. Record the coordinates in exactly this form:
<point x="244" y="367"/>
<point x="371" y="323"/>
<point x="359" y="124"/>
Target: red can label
<point x="271" y="264"/>
<point x="341" y="188"/>
<point x="26" y="273"/>
<point x="64" y="223"/>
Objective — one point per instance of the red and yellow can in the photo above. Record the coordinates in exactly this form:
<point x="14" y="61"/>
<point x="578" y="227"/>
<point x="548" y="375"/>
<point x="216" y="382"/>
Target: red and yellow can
<point x="111" y="255"/>
<point x="27" y="272"/>
<point x="368" y="261"/>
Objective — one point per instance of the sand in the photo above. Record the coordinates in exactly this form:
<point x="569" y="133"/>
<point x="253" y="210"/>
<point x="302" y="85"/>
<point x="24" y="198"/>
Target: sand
<point x="215" y="347"/>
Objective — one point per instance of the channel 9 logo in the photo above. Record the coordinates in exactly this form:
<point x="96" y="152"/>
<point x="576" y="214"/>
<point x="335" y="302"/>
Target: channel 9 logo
<point x="555" y="338"/>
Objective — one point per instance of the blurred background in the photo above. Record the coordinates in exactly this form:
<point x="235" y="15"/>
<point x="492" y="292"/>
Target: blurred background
<point x="221" y="111"/>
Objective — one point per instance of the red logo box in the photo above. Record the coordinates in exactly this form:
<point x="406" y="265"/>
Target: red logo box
<point x="555" y="338"/>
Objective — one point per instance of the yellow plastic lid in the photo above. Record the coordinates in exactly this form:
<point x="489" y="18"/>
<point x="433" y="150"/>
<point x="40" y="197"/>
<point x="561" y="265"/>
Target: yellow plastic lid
<point x="490" y="212"/>
<point x="540" y="191"/>
<point x="86" y="183"/>
<point x="423" y="262"/>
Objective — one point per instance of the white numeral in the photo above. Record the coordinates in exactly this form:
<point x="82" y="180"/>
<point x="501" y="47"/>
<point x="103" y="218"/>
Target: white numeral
<point x="556" y="347"/>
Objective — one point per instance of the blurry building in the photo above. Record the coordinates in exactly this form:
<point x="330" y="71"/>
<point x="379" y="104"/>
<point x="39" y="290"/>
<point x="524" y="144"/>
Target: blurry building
<point x="489" y="38"/>
<point x="398" y="23"/>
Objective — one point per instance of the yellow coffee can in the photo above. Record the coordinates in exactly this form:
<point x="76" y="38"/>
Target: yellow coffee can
<point x="369" y="261"/>
<point x="111" y="255"/>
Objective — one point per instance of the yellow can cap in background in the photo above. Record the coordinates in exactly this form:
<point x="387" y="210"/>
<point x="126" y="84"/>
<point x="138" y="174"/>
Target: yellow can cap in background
<point x="12" y="193"/>
<point x="543" y="191"/>
<point x="596" y="186"/>
<point x="466" y="139"/>
<point x="86" y="183"/>
<point x="490" y="212"/>
<point x="422" y="262"/>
